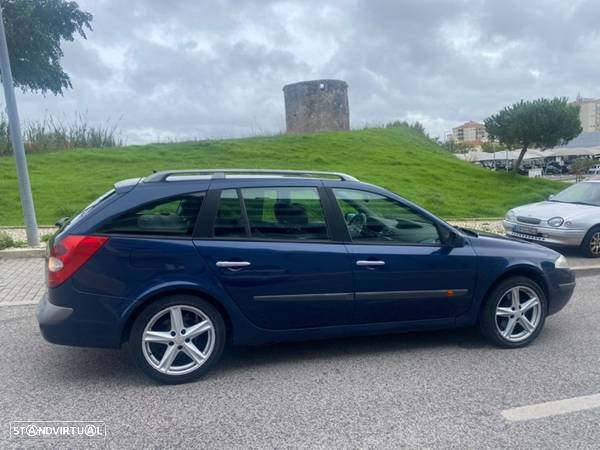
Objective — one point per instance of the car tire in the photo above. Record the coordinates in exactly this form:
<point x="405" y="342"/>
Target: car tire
<point x="177" y="339"/>
<point x="499" y="312"/>
<point x="590" y="246"/>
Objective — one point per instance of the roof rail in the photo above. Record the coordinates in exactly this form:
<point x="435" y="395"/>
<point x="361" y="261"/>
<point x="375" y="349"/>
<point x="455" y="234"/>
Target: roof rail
<point x="222" y="173"/>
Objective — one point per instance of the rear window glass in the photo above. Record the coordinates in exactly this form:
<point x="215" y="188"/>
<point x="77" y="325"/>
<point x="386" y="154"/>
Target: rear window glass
<point x="175" y="216"/>
<point x="64" y="224"/>
<point x="287" y="213"/>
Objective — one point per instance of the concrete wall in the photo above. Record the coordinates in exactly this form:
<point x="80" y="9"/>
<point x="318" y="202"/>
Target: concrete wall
<point x="319" y="105"/>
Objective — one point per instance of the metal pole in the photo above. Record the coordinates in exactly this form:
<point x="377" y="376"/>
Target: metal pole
<point x="16" y="138"/>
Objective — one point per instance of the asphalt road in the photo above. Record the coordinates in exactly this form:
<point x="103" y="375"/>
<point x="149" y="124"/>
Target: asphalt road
<point x="434" y="390"/>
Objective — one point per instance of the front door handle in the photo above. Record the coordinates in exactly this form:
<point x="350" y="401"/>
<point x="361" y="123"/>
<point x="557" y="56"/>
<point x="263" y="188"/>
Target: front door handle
<point x="232" y="264"/>
<point x="370" y="262"/>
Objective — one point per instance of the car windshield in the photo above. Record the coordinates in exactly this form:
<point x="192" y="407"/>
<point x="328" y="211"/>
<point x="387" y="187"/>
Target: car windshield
<point x="581" y="193"/>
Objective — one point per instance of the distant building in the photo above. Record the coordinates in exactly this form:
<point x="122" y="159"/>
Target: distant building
<point x="469" y="133"/>
<point x="589" y="113"/>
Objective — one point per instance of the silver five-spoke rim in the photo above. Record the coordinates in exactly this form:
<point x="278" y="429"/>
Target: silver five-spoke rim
<point x="518" y="313"/>
<point x="595" y="243"/>
<point x="178" y="340"/>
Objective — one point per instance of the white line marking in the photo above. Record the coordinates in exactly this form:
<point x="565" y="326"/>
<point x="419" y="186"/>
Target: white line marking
<point x="18" y="303"/>
<point x="555" y="408"/>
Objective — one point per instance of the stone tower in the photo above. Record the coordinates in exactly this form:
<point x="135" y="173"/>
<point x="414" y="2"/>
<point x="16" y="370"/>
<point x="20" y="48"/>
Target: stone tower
<point x="319" y="105"/>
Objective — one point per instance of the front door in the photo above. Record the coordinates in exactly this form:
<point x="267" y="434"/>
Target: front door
<point x="272" y="252"/>
<point x="402" y="270"/>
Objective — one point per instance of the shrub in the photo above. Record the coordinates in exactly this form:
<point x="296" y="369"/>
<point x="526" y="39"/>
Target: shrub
<point x="6" y="241"/>
<point x="54" y="134"/>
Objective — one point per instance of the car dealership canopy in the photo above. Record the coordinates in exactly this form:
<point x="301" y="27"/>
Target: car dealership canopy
<point x="510" y="155"/>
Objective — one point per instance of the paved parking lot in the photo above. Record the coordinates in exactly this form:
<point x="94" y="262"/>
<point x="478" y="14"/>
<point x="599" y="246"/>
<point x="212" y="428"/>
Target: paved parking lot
<point x="436" y="390"/>
<point x="21" y="280"/>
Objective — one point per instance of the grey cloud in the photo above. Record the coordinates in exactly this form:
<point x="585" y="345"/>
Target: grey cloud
<point x="216" y="68"/>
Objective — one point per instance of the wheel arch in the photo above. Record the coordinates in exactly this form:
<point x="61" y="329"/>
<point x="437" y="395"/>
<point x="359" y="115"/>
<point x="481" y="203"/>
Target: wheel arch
<point x="524" y="270"/>
<point x="187" y="290"/>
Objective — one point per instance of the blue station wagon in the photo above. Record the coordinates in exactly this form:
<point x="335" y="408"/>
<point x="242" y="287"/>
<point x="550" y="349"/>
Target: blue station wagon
<point x="179" y="263"/>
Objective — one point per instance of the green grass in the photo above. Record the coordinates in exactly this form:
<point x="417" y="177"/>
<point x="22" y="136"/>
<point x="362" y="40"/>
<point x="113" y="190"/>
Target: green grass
<point x="398" y="159"/>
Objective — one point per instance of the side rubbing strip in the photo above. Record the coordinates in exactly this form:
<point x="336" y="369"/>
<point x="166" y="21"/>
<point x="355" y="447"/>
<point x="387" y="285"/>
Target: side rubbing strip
<point x="409" y="295"/>
<point x="325" y="297"/>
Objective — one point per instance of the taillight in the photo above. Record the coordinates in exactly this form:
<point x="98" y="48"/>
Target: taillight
<point x="69" y="254"/>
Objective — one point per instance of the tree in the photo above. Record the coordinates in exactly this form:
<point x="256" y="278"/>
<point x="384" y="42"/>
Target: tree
<point x="34" y="30"/>
<point x="541" y="123"/>
<point x="581" y="167"/>
<point x="491" y="147"/>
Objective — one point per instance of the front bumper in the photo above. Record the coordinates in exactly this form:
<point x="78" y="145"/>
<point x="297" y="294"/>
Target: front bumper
<point x="545" y="235"/>
<point x="560" y="289"/>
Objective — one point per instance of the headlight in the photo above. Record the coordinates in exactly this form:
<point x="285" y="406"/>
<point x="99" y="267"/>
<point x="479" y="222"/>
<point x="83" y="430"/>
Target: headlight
<point x="561" y="263"/>
<point x="510" y="216"/>
<point x="556" y="221"/>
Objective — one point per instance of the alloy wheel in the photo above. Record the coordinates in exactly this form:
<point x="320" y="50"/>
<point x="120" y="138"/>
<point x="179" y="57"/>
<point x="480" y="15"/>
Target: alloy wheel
<point x="178" y="340"/>
<point x="518" y="313"/>
<point x="595" y="243"/>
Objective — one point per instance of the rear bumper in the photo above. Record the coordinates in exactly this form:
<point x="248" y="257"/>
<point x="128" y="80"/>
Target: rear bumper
<point x="550" y="236"/>
<point x="87" y="321"/>
<point x="48" y="314"/>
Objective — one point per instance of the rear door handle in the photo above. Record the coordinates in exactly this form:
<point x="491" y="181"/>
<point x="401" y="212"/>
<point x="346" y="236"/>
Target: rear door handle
<point x="370" y="262"/>
<point x="232" y="264"/>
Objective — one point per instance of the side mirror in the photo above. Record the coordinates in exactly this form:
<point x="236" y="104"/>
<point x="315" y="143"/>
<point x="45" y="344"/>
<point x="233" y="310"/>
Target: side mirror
<point x="451" y="238"/>
<point x="551" y="196"/>
<point x="456" y="240"/>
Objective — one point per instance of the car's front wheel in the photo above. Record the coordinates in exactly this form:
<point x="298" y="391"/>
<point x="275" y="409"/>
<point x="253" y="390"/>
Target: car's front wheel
<point x="590" y="246"/>
<point x="177" y="339"/>
<point x="513" y="313"/>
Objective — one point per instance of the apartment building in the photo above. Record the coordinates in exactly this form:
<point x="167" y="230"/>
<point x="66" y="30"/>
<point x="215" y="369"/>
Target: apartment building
<point x="469" y="132"/>
<point x="589" y="113"/>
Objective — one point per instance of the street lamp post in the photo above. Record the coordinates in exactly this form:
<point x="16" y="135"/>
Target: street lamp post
<point x="16" y="138"/>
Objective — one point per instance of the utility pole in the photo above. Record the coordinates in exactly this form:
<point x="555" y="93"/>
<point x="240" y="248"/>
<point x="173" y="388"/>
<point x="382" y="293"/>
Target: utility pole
<point x="16" y="138"/>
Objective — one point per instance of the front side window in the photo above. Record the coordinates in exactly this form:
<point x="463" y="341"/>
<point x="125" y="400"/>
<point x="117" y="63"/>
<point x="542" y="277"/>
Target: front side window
<point x="285" y="213"/>
<point x="175" y="216"/>
<point x="374" y="218"/>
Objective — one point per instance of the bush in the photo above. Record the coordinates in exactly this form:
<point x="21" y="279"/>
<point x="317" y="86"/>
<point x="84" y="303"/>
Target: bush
<point x="6" y="241"/>
<point x="53" y="134"/>
<point x="417" y="126"/>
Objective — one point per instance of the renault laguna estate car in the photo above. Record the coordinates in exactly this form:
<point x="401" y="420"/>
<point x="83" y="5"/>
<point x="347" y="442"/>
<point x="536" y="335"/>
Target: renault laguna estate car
<point x="570" y="218"/>
<point x="179" y="263"/>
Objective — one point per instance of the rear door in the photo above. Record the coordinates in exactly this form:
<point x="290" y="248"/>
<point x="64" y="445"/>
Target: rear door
<point x="272" y="250"/>
<point x="402" y="269"/>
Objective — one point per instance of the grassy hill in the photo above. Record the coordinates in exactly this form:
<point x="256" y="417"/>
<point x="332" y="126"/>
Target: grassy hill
<point x="398" y="159"/>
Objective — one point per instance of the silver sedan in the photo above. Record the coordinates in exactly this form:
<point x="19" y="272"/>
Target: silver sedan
<point x="571" y="219"/>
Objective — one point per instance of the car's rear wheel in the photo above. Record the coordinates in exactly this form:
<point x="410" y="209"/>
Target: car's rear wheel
<point x="590" y="246"/>
<point x="513" y="313"/>
<point x="177" y="339"/>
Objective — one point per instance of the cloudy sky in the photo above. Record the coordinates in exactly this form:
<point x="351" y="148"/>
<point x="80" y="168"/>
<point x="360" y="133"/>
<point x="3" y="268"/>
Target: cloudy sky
<point x="208" y="69"/>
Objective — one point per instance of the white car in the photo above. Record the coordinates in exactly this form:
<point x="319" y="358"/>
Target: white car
<point x="595" y="170"/>
<point x="571" y="218"/>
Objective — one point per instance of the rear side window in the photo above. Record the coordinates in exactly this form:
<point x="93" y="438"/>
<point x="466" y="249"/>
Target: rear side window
<point x="175" y="216"/>
<point x="278" y="213"/>
<point x="285" y="213"/>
